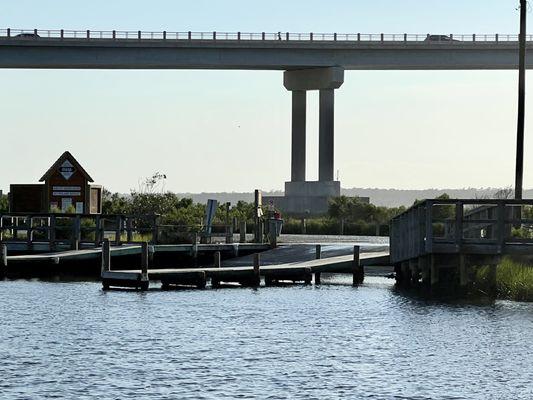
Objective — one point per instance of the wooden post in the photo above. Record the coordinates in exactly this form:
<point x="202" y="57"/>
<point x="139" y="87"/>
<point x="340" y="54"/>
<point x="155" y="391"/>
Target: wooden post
<point x="242" y="232"/>
<point x="318" y="256"/>
<point x="52" y="232"/>
<point x="229" y="234"/>
<point x="129" y="229"/>
<point x="97" y="231"/>
<point x="106" y="256"/>
<point x="76" y="233"/>
<point x="145" y="256"/>
<point x="308" y="276"/>
<point x="216" y="261"/>
<point x="3" y="263"/>
<point x="257" y="275"/>
<point x="118" y="229"/>
<point x="29" y="231"/>
<point x="358" y="272"/>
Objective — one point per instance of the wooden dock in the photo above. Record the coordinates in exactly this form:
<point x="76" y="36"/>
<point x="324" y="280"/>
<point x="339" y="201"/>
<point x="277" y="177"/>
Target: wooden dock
<point x="244" y="275"/>
<point x="439" y="242"/>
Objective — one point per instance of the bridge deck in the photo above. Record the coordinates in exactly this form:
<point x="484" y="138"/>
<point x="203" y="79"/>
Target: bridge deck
<point x="133" y="50"/>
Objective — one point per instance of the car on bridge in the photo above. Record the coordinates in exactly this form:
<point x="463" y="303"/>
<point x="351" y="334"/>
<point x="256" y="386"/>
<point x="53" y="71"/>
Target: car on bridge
<point x="440" y="38"/>
<point x="27" y="35"/>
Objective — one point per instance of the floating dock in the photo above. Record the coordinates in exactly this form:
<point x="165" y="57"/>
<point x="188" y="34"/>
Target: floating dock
<point x="249" y="275"/>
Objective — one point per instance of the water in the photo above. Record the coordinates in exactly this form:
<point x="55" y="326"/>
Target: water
<point x="73" y="341"/>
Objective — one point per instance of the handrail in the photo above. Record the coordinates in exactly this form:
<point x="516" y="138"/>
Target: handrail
<point x="493" y="225"/>
<point x="74" y="231"/>
<point x="36" y="34"/>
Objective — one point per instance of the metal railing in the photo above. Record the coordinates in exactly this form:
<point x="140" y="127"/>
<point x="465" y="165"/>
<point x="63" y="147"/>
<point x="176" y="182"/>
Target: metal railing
<point x="35" y="34"/>
<point x="451" y="226"/>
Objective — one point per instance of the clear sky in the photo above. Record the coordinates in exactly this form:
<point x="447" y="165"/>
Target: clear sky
<point x="230" y="130"/>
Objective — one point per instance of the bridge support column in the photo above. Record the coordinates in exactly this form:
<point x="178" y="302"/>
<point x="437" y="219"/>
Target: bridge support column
<point x="304" y="197"/>
<point x="326" y="136"/>
<point x="299" y="108"/>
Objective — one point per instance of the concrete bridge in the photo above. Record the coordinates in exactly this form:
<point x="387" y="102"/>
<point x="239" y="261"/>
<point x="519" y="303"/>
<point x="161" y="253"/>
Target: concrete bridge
<point x="311" y="61"/>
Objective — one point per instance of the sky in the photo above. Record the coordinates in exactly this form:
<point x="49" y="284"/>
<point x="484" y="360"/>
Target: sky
<point x="213" y="131"/>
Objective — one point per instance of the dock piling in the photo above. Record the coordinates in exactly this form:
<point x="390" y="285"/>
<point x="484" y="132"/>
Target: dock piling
<point x="106" y="255"/>
<point x="106" y="261"/>
<point x="318" y="256"/>
<point x="3" y="262"/>
<point x="216" y="262"/>
<point x="257" y="275"/>
<point x="358" y="271"/>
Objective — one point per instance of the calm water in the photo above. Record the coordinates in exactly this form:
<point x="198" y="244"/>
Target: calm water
<point x="71" y="340"/>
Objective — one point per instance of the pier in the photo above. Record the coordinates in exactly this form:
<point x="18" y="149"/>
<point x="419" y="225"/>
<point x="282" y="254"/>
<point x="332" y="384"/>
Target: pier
<point x="439" y="242"/>
<point x="247" y="275"/>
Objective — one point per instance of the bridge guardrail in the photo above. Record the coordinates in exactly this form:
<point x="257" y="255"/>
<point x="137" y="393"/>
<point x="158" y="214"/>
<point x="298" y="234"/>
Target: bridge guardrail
<point x="35" y="34"/>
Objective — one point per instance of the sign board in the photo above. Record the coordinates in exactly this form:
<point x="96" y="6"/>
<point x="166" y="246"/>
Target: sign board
<point x="59" y="194"/>
<point x="67" y="169"/>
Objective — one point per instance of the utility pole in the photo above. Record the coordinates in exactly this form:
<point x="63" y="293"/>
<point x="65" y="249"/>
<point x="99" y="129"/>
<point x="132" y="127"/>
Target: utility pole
<point x="521" y="102"/>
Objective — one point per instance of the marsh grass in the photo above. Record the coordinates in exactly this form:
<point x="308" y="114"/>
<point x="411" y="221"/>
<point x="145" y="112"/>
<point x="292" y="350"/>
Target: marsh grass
<point x="514" y="280"/>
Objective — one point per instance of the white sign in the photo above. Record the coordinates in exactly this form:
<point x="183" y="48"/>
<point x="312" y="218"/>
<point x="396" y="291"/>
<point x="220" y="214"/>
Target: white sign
<point x="66" y="169"/>
<point x="71" y="194"/>
<point x="65" y="188"/>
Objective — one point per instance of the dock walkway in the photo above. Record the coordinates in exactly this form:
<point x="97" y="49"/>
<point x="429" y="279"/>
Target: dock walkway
<point x="245" y="273"/>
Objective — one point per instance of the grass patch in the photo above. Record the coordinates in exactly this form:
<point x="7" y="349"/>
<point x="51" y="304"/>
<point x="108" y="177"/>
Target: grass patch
<point x="514" y="280"/>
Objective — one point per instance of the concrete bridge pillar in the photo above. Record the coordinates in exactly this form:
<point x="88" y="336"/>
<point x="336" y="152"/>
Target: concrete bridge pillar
<point x="326" y="80"/>
<point x="299" y="108"/>
<point x="325" y="135"/>
<point x="303" y="197"/>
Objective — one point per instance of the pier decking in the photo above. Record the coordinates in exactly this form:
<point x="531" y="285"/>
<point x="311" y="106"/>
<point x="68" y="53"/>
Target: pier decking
<point x="249" y="275"/>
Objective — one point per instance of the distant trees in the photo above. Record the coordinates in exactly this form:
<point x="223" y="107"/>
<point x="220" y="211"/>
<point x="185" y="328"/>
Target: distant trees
<point x="352" y="210"/>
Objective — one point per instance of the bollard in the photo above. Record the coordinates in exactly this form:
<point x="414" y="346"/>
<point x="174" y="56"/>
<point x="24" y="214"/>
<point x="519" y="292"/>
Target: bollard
<point x="216" y="262"/>
<point x="317" y="278"/>
<point x="318" y="251"/>
<point x="358" y="271"/>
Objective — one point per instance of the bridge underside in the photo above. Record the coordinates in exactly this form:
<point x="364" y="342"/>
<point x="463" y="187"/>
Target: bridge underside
<point x="255" y="55"/>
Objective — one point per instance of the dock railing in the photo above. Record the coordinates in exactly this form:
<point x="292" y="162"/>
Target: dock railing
<point x="479" y="226"/>
<point x="89" y="230"/>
